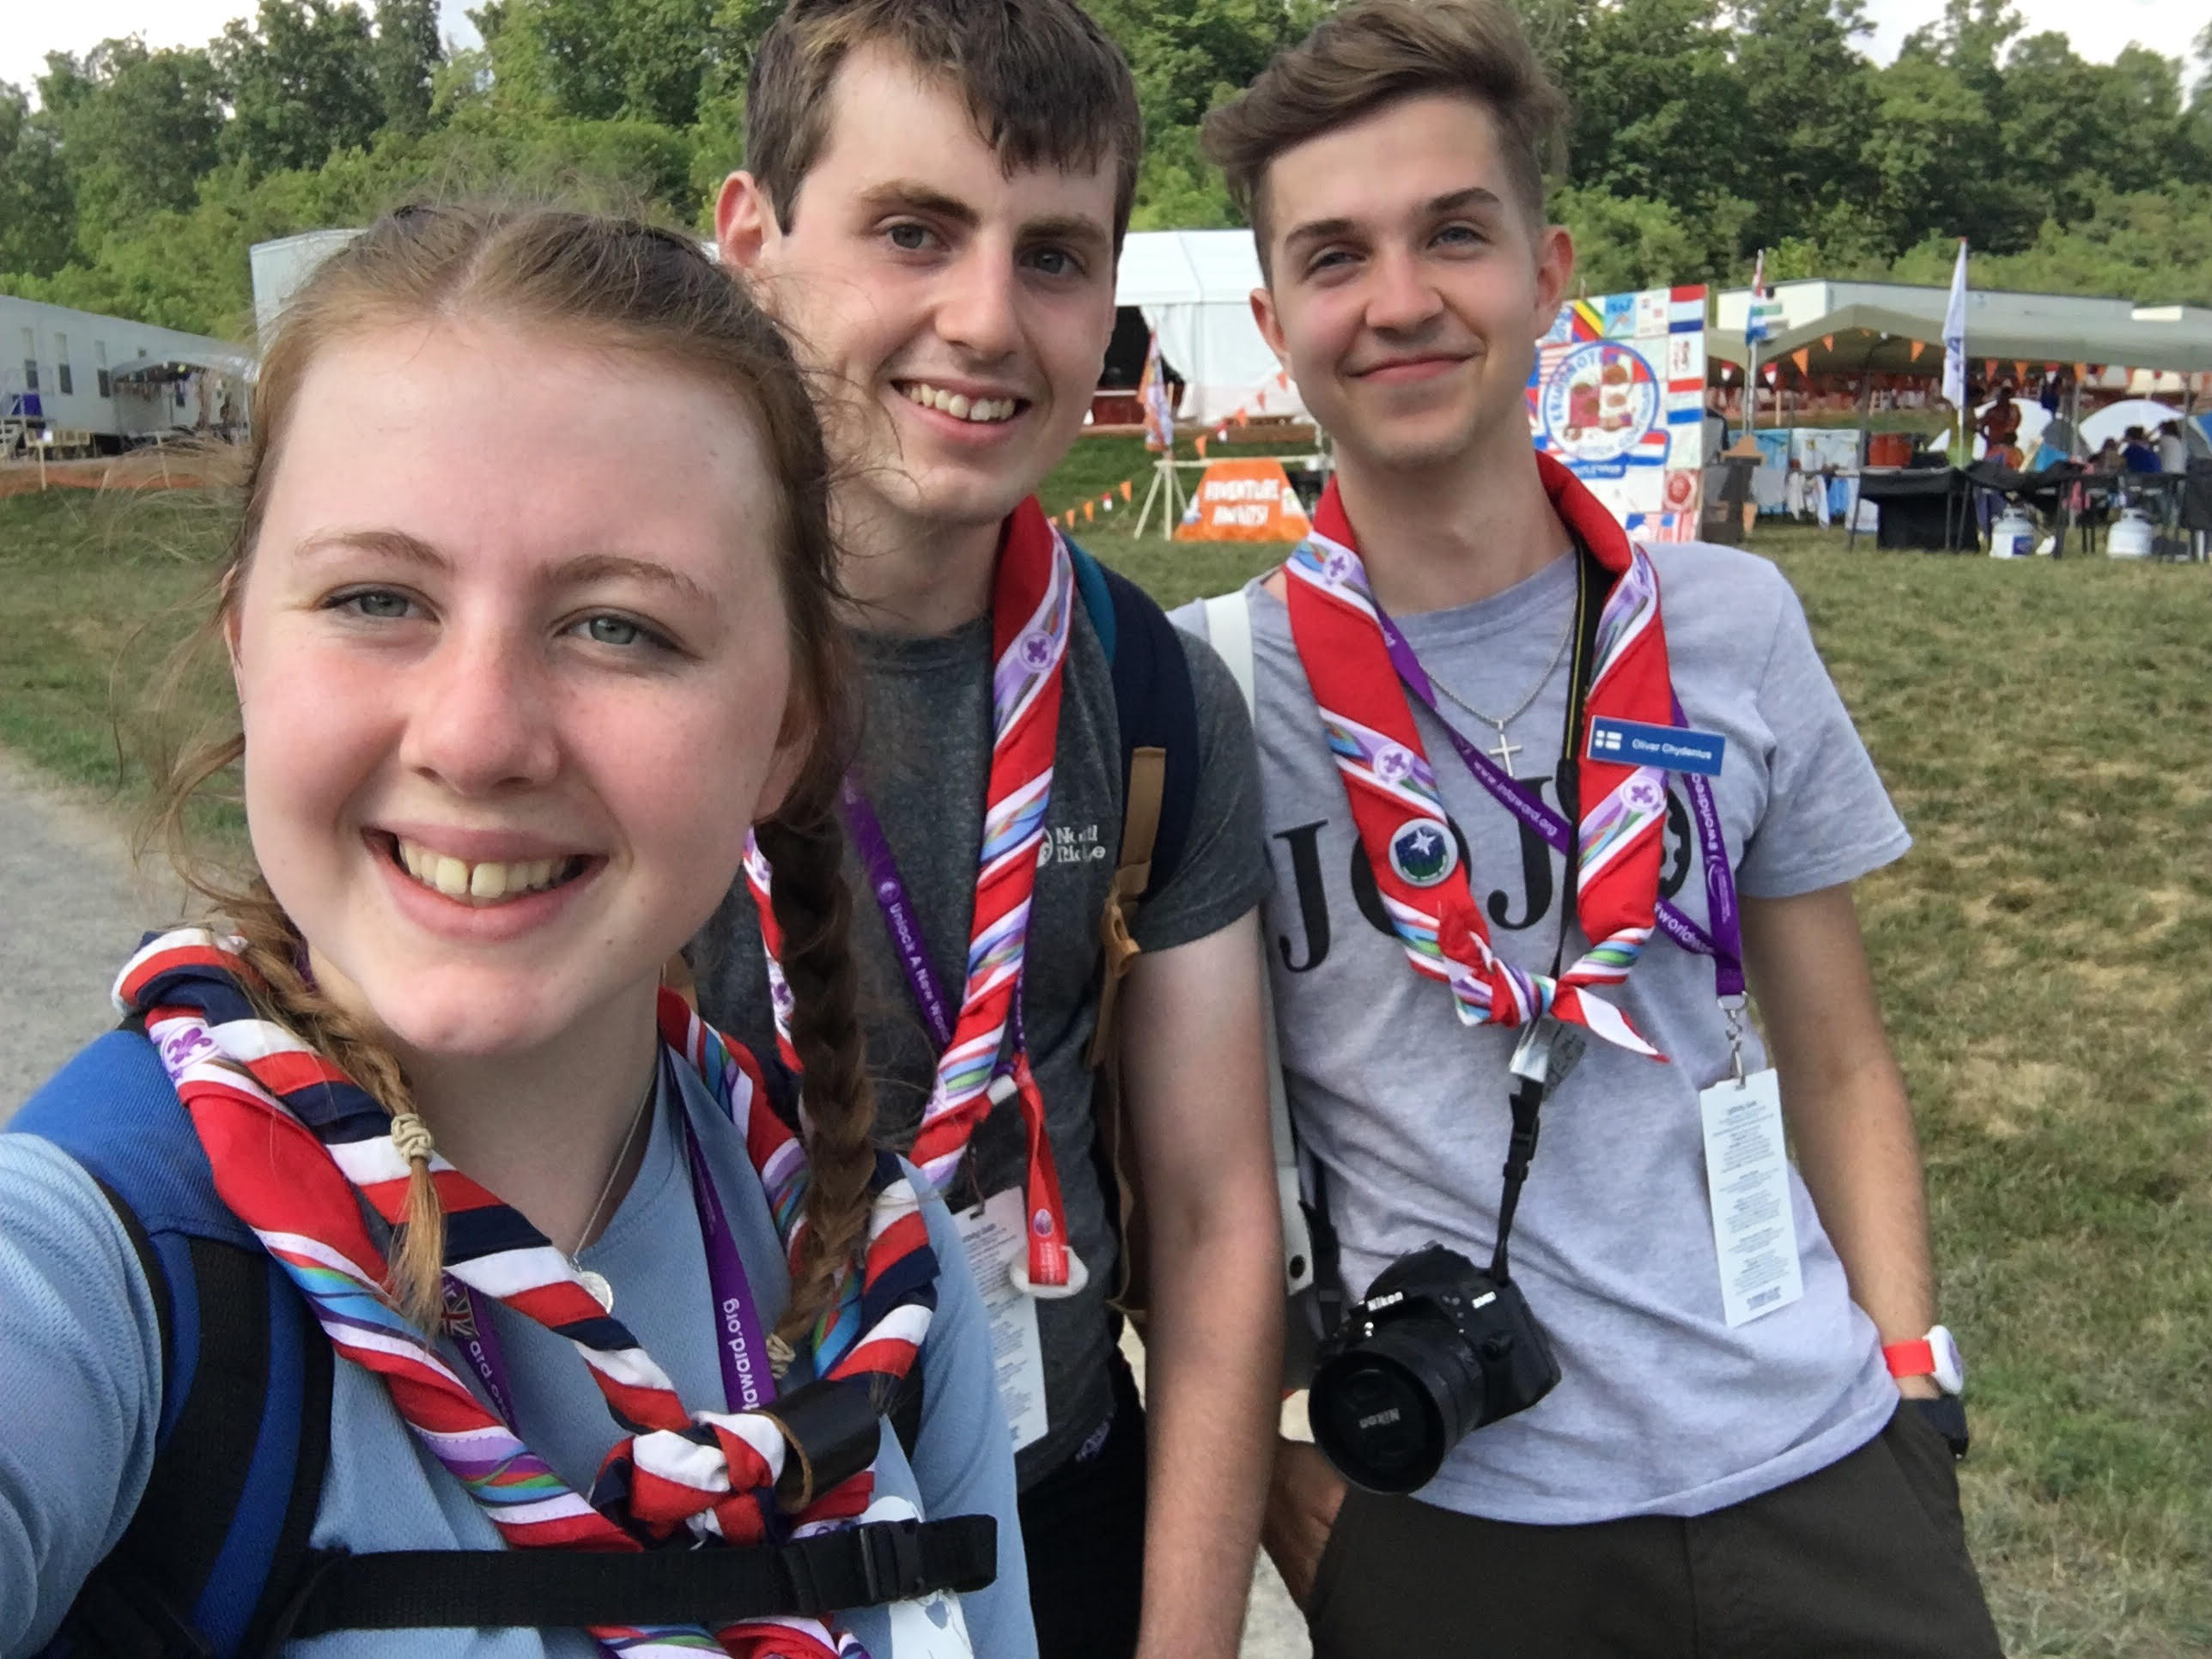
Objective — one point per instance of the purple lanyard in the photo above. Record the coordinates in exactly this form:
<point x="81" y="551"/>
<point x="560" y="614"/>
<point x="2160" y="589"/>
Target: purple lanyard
<point x="905" y="926"/>
<point x="1724" y="944"/>
<point x="747" y="1380"/>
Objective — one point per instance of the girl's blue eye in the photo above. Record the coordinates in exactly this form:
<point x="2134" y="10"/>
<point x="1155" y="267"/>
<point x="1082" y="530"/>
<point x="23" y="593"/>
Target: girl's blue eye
<point x="613" y="631"/>
<point x="378" y="603"/>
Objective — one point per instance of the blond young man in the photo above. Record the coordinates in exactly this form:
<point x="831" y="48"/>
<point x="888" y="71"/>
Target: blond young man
<point x="935" y="201"/>
<point x="1739" y="1448"/>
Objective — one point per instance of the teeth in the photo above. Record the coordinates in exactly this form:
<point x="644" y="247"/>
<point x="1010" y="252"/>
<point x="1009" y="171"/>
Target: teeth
<point x="482" y="884"/>
<point x="983" y="410"/>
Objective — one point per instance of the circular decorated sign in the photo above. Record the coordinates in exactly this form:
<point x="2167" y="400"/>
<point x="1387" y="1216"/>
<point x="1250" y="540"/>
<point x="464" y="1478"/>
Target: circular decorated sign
<point x="1423" y="851"/>
<point x="1600" y="401"/>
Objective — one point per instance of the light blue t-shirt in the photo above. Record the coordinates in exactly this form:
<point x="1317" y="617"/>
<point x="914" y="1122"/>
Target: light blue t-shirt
<point x="1663" y="1407"/>
<point x="80" y="1399"/>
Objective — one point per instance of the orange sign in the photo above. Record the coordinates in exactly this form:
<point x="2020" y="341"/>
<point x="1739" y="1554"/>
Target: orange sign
<point x="1244" y="501"/>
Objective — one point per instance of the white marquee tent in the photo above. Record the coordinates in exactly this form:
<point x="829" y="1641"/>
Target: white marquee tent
<point x="1195" y="288"/>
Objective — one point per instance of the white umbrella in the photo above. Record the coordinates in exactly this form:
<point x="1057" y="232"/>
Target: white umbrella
<point x="2114" y="419"/>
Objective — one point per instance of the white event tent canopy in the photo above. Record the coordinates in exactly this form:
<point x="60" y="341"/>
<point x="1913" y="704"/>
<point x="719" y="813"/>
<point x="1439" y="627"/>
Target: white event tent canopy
<point x="1195" y="288"/>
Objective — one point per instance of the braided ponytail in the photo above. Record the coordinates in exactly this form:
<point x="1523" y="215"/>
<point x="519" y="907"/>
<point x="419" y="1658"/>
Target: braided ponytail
<point x="276" y="955"/>
<point x="837" y="1106"/>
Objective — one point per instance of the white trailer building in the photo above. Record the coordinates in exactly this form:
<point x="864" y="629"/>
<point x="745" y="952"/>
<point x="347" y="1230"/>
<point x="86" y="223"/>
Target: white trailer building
<point x="97" y="383"/>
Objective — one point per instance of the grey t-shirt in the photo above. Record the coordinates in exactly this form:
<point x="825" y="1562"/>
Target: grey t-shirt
<point x="925" y="763"/>
<point x="1662" y="1409"/>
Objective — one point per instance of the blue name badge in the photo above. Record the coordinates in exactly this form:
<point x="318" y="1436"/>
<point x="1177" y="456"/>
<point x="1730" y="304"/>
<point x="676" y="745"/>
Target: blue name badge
<point x="1672" y="748"/>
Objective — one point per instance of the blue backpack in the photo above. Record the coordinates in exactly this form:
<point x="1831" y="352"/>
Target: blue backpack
<point x="217" y="1558"/>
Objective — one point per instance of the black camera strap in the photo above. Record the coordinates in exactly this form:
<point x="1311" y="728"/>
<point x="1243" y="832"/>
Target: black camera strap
<point x="1527" y="1100"/>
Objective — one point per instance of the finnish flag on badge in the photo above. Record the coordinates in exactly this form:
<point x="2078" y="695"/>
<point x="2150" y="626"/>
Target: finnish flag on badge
<point x="1669" y="748"/>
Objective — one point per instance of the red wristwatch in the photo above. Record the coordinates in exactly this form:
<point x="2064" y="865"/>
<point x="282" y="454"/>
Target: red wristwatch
<point x="1936" y="1355"/>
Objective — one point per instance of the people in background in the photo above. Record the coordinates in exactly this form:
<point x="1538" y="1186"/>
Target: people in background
<point x="2138" y="453"/>
<point x="2000" y="423"/>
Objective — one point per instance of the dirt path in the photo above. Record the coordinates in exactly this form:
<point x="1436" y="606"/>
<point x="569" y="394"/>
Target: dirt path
<point x="70" y="912"/>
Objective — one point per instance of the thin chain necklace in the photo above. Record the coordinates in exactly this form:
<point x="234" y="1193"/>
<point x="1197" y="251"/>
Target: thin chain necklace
<point x="602" y="1291"/>
<point x="1505" y="751"/>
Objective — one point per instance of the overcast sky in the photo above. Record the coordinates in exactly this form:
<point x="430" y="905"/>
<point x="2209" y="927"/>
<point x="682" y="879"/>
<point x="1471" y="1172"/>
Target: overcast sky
<point x="31" y="28"/>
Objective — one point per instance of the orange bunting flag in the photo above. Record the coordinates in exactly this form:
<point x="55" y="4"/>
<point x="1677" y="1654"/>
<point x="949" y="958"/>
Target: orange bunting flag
<point x="1199" y="443"/>
<point x="1283" y="379"/>
<point x="1068" y="517"/>
<point x="2081" y="371"/>
<point x="1128" y="490"/>
<point x="1089" y="511"/>
<point x="1801" y="357"/>
<point x="1827" y="343"/>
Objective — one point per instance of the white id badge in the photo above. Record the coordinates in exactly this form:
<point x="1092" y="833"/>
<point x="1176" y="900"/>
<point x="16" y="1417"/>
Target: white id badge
<point x="992" y="1237"/>
<point x="1747" y="1174"/>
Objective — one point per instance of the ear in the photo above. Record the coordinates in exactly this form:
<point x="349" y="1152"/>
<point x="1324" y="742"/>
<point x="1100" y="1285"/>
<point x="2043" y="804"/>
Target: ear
<point x="1271" y="325"/>
<point x="1555" y="269"/>
<point x="745" y="227"/>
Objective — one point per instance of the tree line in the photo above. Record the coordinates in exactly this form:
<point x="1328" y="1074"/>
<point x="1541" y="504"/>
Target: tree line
<point x="1704" y="131"/>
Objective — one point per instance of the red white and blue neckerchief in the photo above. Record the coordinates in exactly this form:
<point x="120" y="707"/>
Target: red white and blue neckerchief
<point x="1032" y="602"/>
<point x="1393" y="788"/>
<point x="296" y="1146"/>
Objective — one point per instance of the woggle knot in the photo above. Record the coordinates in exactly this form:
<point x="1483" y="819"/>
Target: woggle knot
<point x="411" y="1137"/>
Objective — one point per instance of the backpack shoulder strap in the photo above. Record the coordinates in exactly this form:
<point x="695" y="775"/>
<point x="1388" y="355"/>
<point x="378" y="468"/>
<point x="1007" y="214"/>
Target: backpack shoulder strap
<point x="224" y="1523"/>
<point x="1228" y="631"/>
<point x="1155" y="704"/>
<point x="1156" y="709"/>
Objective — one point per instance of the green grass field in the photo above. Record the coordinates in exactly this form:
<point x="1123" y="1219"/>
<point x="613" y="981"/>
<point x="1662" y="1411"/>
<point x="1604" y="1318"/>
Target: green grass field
<point x="2046" y="730"/>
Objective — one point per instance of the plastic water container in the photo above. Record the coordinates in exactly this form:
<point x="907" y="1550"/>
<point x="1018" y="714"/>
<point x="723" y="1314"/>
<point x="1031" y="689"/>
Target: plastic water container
<point x="2132" y="535"/>
<point x="2013" y="535"/>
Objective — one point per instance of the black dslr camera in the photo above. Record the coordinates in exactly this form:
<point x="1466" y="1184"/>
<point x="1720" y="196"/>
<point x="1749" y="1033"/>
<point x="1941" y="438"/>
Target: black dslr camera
<point x="1438" y="1349"/>
<point x="1440" y="1346"/>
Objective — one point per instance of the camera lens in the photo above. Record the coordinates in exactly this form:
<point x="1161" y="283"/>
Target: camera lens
<point x="1386" y="1410"/>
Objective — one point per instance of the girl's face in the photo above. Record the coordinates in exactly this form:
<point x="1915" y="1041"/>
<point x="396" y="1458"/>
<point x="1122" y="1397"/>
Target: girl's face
<point x="511" y="662"/>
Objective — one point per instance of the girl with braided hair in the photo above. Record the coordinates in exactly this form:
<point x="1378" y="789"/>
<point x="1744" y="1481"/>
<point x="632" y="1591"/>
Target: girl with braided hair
<point x="531" y="616"/>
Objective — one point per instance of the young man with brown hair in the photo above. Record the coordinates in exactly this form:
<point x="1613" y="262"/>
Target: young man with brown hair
<point x="935" y="201"/>
<point x="1516" y="772"/>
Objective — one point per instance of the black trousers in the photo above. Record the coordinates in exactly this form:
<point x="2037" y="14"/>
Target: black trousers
<point x="1864" y="1560"/>
<point x="1083" y="1531"/>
